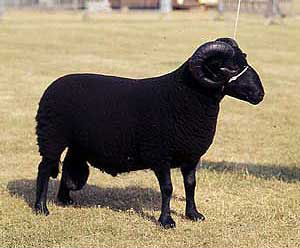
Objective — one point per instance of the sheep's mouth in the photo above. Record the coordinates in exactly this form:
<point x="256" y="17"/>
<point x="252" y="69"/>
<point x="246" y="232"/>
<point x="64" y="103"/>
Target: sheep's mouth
<point x="255" y="100"/>
<point x="250" y="97"/>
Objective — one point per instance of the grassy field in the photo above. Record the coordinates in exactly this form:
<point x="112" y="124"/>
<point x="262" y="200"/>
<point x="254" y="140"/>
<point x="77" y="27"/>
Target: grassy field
<point x="249" y="186"/>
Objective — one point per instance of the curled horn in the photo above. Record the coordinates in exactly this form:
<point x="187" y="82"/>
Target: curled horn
<point x="234" y="44"/>
<point x="210" y="50"/>
<point x="229" y="41"/>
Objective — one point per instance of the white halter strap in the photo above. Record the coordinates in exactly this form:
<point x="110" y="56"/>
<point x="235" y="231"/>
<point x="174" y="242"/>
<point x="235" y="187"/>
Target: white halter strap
<point x="238" y="75"/>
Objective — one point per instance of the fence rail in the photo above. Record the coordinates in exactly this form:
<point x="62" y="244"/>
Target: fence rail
<point x="254" y="6"/>
<point x="73" y="4"/>
<point x="250" y="6"/>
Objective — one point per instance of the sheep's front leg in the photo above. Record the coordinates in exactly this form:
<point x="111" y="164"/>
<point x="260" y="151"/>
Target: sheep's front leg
<point x="166" y="188"/>
<point x="189" y="178"/>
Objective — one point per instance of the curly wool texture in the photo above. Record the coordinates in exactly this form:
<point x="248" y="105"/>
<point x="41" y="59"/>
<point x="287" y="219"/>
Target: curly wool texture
<point x="120" y="124"/>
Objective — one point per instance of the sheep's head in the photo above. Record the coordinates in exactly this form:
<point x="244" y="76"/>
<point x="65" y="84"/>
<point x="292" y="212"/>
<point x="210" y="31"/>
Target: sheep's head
<point x="222" y="65"/>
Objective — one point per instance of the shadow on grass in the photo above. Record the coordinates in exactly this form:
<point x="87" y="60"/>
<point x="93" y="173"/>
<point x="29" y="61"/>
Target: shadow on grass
<point x="133" y="198"/>
<point x="277" y="172"/>
<point x="138" y="199"/>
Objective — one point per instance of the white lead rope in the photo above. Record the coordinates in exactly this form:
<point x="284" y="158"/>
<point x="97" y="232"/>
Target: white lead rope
<point x="237" y="19"/>
<point x="238" y="75"/>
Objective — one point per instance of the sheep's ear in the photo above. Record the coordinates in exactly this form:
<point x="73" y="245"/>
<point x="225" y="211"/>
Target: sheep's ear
<point x="210" y="51"/>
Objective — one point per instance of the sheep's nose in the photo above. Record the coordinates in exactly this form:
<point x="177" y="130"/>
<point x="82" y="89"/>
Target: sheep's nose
<point x="258" y="98"/>
<point x="261" y="96"/>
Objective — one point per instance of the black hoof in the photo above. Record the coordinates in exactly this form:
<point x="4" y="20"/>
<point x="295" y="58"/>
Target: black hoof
<point x="167" y="222"/>
<point x="195" y="216"/>
<point x="65" y="200"/>
<point x="41" y="209"/>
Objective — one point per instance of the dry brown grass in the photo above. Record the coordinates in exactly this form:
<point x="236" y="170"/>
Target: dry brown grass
<point x="249" y="186"/>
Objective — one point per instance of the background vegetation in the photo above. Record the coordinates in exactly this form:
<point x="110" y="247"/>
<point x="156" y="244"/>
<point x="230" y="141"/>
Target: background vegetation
<point x="249" y="183"/>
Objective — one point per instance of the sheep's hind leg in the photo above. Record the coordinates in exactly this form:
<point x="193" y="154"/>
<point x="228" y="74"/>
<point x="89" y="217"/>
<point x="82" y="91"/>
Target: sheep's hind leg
<point x="189" y="179"/>
<point x="47" y="167"/>
<point x="166" y="188"/>
<point x="75" y="173"/>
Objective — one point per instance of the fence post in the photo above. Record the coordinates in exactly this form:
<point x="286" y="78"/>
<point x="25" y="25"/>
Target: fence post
<point x="272" y="11"/>
<point x="221" y="7"/>
<point x="1" y="8"/>
<point x="165" y="6"/>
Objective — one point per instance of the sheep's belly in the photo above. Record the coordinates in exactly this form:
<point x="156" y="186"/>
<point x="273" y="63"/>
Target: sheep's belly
<point x="116" y="166"/>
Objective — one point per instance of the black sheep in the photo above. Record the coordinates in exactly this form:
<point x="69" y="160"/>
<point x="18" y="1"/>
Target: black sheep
<point x="121" y="125"/>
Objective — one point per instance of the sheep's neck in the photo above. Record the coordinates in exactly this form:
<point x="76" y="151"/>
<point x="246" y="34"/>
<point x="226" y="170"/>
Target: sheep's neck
<point x="206" y="95"/>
